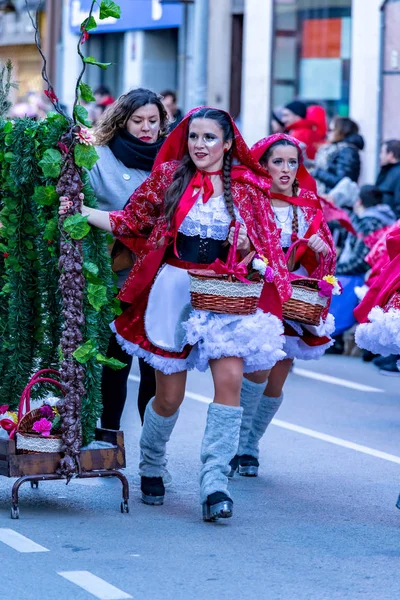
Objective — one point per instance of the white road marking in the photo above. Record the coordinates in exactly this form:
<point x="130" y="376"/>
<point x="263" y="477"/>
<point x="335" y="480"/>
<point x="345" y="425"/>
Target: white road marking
<point x="310" y="432"/>
<point x="337" y="441"/>
<point x="19" y="542"/>
<point x="94" y="585"/>
<point x="335" y="380"/>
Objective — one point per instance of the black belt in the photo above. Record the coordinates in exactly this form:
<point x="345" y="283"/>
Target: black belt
<point x="199" y="250"/>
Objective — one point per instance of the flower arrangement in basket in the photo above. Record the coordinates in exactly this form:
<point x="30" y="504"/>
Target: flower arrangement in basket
<point x="37" y="430"/>
<point x="310" y="295"/>
<point x="232" y="287"/>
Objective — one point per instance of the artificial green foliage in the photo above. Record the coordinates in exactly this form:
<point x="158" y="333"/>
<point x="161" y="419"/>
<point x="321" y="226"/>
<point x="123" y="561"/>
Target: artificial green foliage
<point x="90" y="60"/>
<point x="85" y="156"/>
<point x="77" y="226"/>
<point x="109" y="9"/>
<point x="82" y="115"/>
<point x="30" y="304"/>
<point x="86" y="92"/>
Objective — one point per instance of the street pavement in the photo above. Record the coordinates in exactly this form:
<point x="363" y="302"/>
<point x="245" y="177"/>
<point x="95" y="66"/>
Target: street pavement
<point x="319" y="523"/>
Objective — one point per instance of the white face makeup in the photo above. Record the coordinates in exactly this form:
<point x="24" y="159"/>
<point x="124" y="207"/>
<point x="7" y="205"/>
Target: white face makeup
<point x="145" y="123"/>
<point x="283" y="165"/>
<point x="206" y="144"/>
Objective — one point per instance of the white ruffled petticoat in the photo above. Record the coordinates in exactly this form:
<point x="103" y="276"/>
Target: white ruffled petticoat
<point x="171" y="323"/>
<point x="382" y="334"/>
<point x="295" y="347"/>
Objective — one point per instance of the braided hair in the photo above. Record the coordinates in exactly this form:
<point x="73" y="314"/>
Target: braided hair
<point x="186" y="170"/>
<point x="227" y="169"/>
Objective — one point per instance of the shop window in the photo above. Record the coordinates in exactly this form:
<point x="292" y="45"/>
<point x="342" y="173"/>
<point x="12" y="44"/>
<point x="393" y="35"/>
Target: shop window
<point x="311" y="58"/>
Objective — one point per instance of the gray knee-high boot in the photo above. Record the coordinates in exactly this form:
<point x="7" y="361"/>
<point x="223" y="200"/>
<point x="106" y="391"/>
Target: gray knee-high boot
<point x="267" y="409"/>
<point x="156" y="432"/>
<point x="219" y="445"/>
<point x="250" y="396"/>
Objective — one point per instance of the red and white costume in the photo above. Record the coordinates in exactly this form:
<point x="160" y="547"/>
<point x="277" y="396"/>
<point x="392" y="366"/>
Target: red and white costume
<point x="304" y="341"/>
<point x="161" y="326"/>
<point x="379" y="312"/>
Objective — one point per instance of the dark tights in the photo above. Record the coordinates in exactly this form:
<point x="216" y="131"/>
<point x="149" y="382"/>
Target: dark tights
<point x="114" y="386"/>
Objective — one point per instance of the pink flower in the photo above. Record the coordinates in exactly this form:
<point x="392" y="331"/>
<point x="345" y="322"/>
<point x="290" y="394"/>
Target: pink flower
<point x="269" y="275"/>
<point x="325" y="289"/>
<point x="84" y="137"/>
<point x="43" y="426"/>
<point x="3" y="409"/>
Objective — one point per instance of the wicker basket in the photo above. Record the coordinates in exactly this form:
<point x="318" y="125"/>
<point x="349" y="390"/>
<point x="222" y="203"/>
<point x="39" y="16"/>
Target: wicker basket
<point x="305" y="305"/>
<point x="27" y="442"/>
<point x="223" y="292"/>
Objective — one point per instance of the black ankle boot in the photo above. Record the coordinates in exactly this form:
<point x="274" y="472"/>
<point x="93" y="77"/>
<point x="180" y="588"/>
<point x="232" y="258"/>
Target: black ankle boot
<point x="234" y="465"/>
<point x="248" y="466"/>
<point x="217" y="506"/>
<point x="153" y="490"/>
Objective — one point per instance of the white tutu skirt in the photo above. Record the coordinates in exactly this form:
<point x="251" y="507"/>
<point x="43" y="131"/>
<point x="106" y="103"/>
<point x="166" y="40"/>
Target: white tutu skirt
<point x="296" y="347"/>
<point x="382" y="334"/>
<point x="172" y="324"/>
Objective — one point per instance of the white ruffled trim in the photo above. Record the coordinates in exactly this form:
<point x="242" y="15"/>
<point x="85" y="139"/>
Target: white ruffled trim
<point x="382" y="334"/>
<point x="210" y="220"/>
<point x="161" y="363"/>
<point x="296" y="348"/>
<point x="325" y="328"/>
<point x="256" y="338"/>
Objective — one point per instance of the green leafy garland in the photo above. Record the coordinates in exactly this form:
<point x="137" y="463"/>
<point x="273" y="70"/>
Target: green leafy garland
<point x="30" y="303"/>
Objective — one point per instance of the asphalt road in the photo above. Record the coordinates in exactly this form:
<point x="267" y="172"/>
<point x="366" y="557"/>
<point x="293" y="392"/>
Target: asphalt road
<point x="318" y="523"/>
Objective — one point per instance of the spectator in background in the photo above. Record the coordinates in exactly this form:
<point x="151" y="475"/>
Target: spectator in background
<point x="103" y="97"/>
<point x="294" y="116"/>
<point x="175" y="114"/>
<point x="317" y="115"/>
<point x="277" y="124"/>
<point x="370" y="215"/>
<point x="340" y="157"/>
<point x="389" y="177"/>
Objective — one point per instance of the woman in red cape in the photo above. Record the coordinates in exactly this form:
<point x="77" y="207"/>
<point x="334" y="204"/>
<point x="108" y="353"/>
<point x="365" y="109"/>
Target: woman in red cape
<point x="379" y="311"/>
<point x="298" y="215"/>
<point x="181" y="218"/>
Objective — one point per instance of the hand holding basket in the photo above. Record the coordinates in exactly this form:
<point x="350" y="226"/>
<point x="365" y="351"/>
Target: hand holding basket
<point x="224" y="288"/>
<point x="306" y="305"/>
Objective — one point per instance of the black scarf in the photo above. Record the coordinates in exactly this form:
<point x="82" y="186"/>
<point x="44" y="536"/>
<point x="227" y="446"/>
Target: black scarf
<point x="132" y="152"/>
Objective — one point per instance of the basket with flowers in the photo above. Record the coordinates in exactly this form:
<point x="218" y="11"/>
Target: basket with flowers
<point x="310" y="296"/>
<point x="37" y="430"/>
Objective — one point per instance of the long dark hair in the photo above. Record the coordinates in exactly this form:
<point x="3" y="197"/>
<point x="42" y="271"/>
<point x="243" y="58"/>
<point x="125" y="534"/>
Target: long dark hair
<point x="187" y="168"/>
<point x="118" y="114"/>
<point x="268" y="153"/>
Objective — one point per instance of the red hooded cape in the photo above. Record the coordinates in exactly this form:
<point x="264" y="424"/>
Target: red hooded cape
<point x="142" y="226"/>
<point x="310" y="205"/>
<point x="388" y="282"/>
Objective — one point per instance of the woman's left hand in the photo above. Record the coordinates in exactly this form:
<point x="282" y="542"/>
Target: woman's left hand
<point x="317" y="245"/>
<point x="243" y="243"/>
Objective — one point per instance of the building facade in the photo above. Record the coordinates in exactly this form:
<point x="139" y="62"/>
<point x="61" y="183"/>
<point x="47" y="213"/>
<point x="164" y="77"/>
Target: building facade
<point x="325" y="51"/>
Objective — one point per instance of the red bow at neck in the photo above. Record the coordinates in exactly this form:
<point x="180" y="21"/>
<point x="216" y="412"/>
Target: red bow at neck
<point x="200" y="181"/>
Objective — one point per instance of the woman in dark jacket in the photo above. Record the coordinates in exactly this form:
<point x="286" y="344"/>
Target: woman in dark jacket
<point x="340" y="157"/>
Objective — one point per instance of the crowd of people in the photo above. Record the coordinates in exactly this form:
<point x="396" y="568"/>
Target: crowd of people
<point x="177" y="193"/>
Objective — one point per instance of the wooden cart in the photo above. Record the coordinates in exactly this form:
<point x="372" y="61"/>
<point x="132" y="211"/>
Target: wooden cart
<point x="43" y="466"/>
